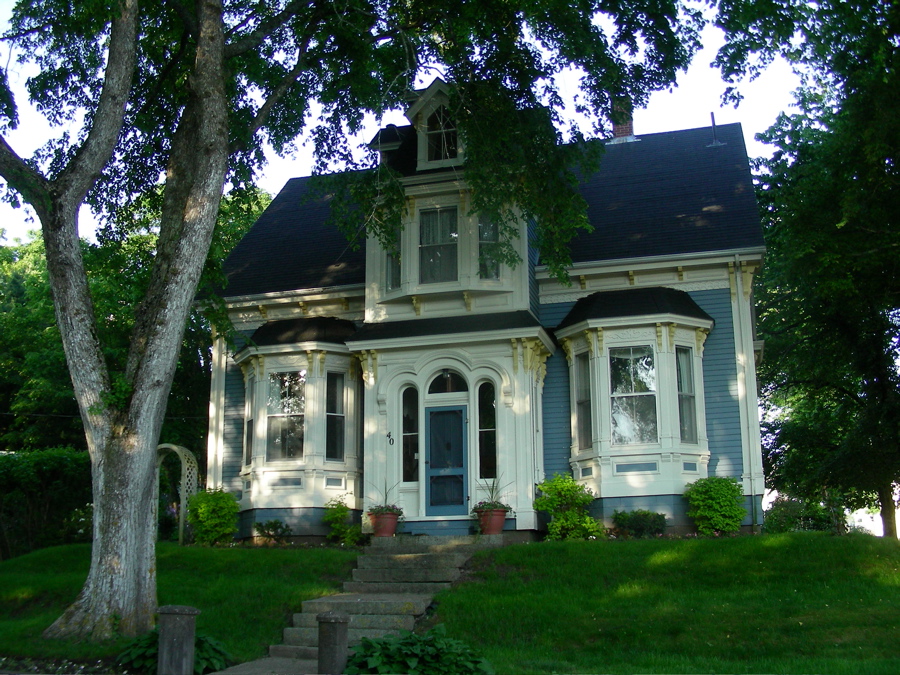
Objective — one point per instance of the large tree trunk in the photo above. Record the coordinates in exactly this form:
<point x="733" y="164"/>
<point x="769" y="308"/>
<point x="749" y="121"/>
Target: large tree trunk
<point x="888" y="510"/>
<point x="120" y="592"/>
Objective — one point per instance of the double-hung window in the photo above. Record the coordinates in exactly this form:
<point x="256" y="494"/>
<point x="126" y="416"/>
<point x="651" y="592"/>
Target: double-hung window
<point x="286" y="408"/>
<point x="487" y="431"/>
<point x="687" y="404"/>
<point x="410" y="434"/>
<point x="335" y="420"/>
<point x="584" y="428"/>
<point x="438" y="240"/>
<point x="633" y="395"/>
<point x="488" y="241"/>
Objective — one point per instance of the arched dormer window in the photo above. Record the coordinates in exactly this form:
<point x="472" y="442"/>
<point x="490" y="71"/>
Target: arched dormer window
<point x="441" y="134"/>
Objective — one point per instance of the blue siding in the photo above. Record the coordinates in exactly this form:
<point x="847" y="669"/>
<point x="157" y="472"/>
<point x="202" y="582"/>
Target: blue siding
<point x="723" y="418"/>
<point x="557" y="410"/>
<point x="233" y="425"/>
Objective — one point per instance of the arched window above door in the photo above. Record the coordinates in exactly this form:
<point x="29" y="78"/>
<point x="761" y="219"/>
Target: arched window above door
<point x="448" y="382"/>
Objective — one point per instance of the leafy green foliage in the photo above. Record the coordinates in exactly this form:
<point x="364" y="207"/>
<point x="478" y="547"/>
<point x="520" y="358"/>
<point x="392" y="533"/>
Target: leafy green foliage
<point x="213" y="516"/>
<point x="342" y="529"/>
<point x="830" y="293"/>
<point x="567" y="503"/>
<point x="142" y="653"/>
<point x="39" y="492"/>
<point x="274" y="531"/>
<point x="432" y="653"/>
<point x="639" y="523"/>
<point x="716" y="504"/>
<point x="786" y="514"/>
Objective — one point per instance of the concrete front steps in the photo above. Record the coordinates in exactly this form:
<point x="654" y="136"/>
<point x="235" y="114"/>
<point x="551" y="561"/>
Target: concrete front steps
<point x="393" y="584"/>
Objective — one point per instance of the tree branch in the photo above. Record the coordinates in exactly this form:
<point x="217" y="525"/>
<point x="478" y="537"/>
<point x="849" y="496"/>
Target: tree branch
<point x="265" y="28"/>
<point x="26" y="180"/>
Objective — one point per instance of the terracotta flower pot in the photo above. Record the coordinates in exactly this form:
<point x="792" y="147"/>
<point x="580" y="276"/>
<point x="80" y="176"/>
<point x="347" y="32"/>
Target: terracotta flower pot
<point x="384" y="524"/>
<point x="491" y="521"/>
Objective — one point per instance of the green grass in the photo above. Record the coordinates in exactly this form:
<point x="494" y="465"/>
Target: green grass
<point x="797" y="603"/>
<point x="246" y="595"/>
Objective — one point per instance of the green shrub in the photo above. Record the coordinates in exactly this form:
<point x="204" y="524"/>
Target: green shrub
<point x="39" y="491"/>
<point x="567" y="503"/>
<point x="338" y="518"/>
<point x="716" y="504"/>
<point x="639" y="523"/>
<point x="787" y="514"/>
<point x="432" y="653"/>
<point x="142" y="653"/>
<point x="274" y="531"/>
<point x="213" y="516"/>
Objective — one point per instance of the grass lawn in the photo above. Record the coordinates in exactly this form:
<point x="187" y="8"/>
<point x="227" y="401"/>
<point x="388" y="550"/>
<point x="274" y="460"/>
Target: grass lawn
<point x="797" y="603"/>
<point x="246" y="595"/>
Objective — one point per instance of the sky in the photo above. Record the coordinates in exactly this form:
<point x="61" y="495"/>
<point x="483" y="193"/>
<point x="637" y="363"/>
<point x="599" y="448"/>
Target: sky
<point x="685" y="106"/>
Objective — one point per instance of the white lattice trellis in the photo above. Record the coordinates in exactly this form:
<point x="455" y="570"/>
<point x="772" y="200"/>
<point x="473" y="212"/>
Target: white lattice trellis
<point x="188" y="485"/>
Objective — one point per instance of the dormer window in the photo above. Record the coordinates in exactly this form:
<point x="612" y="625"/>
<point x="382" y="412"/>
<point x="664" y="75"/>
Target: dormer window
<point x="441" y="134"/>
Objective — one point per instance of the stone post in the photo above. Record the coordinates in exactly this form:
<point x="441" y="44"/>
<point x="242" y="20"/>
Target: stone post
<point x="333" y="629"/>
<point x="177" y="628"/>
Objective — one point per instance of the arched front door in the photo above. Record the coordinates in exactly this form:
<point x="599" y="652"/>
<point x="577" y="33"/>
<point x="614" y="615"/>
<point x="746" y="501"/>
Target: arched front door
<point x="445" y="463"/>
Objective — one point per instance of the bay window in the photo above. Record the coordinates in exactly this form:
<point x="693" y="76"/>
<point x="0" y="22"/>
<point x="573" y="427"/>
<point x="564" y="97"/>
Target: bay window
<point x="438" y="238"/>
<point x="687" y="404"/>
<point x="633" y="395"/>
<point x="286" y="409"/>
<point x="335" y="421"/>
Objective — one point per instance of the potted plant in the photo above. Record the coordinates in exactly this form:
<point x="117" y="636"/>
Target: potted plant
<point x="491" y="512"/>
<point x="384" y="519"/>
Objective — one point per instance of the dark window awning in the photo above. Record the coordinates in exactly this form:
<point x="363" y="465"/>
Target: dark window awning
<point x="634" y="302"/>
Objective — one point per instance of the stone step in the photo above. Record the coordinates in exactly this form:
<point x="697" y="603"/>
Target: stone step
<point x="435" y="544"/>
<point x="309" y="637"/>
<point x="370" y="603"/>
<point x="427" y="588"/>
<point x="294" y="652"/>
<point x="386" y="621"/>
<point x="411" y="560"/>
<point x="402" y="574"/>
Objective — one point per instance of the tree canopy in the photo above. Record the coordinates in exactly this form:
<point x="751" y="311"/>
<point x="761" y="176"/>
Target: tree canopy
<point x="184" y="93"/>
<point x="830" y="290"/>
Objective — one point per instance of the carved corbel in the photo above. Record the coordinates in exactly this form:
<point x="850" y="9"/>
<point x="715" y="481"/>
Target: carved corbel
<point x="304" y="308"/>
<point x="589" y="341"/>
<point x="582" y="282"/>
<point x="515" y="355"/>
<point x="747" y="272"/>
<point x="416" y="303"/>
<point x="701" y="334"/>
<point x="631" y="277"/>
<point x="467" y="299"/>
<point x="672" y="328"/>
<point x="659" y="336"/>
<point x="566" y="344"/>
<point x="263" y="311"/>
<point x="322" y="362"/>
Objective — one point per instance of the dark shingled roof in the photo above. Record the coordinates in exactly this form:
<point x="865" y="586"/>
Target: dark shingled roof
<point x="313" y="329"/>
<point x="661" y="195"/>
<point x="671" y="193"/>
<point x="633" y="302"/>
<point x="469" y="323"/>
<point x="291" y="247"/>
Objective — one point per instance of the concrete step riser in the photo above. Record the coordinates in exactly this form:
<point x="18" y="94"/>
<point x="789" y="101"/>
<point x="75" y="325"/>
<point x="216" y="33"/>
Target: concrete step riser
<point x="309" y="637"/>
<point x="407" y="574"/>
<point x="420" y="588"/>
<point x="410" y="604"/>
<point x="412" y="560"/>
<point x="294" y="652"/>
<point x="385" y="621"/>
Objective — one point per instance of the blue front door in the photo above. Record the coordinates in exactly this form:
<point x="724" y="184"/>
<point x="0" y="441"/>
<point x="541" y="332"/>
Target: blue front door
<point x="445" y="465"/>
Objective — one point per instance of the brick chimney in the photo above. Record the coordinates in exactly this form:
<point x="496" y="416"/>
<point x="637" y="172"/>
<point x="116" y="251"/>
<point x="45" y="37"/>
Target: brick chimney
<point x="623" y="124"/>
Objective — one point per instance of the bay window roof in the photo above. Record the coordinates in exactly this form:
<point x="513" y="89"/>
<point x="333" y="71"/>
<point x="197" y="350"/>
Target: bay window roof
<point x="635" y="302"/>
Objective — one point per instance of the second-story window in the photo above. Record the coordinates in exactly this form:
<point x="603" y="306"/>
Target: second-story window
<point x="438" y="238"/>
<point x="488" y="240"/>
<point x="441" y="133"/>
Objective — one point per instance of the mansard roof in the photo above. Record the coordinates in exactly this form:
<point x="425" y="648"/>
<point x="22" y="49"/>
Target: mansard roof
<point x="668" y="194"/>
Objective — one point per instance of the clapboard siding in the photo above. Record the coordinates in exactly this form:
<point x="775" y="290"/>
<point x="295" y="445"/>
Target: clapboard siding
<point x="233" y="430"/>
<point x="557" y="410"/>
<point x="723" y="418"/>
